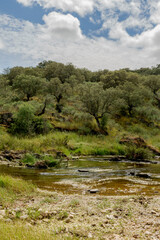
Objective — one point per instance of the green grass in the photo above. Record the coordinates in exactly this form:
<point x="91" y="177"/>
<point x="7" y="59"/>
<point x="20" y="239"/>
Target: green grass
<point x="12" y="188"/>
<point x="71" y="143"/>
<point x="20" y="231"/>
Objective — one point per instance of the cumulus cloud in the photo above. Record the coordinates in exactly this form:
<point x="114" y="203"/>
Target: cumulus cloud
<point x="38" y="42"/>
<point x="62" y="26"/>
<point x="81" y="7"/>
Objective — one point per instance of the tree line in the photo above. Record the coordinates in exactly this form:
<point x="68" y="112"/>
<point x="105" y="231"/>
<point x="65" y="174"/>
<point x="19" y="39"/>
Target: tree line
<point x="53" y="87"/>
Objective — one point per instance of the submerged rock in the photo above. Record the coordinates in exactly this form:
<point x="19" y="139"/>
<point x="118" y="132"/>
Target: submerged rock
<point x="83" y="170"/>
<point x="143" y="175"/>
<point x="93" y="190"/>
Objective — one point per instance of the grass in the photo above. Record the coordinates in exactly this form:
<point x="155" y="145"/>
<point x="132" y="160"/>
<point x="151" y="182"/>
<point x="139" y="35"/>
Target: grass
<point x="12" y="188"/>
<point x="71" y="143"/>
<point x="20" y="231"/>
<point x="47" y="160"/>
<point x="67" y="142"/>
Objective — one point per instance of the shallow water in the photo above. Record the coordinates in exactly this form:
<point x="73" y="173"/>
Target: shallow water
<point x="110" y="178"/>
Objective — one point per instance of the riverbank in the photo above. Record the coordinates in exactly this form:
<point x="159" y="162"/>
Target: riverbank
<point x="29" y="213"/>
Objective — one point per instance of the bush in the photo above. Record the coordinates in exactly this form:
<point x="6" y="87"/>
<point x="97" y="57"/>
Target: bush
<point x="41" y="125"/>
<point x="29" y="159"/>
<point x="134" y="153"/>
<point x="26" y="123"/>
<point x="23" y="121"/>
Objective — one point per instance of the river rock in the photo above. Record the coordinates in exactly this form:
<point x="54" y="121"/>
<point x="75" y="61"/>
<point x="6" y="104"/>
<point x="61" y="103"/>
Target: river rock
<point x="83" y="170"/>
<point x="143" y="175"/>
<point x="23" y="217"/>
<point x="2" y="213"/>
<point x="93" y="190"/>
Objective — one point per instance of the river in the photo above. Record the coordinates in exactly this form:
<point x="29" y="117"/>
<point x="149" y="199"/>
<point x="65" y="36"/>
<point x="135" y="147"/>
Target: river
<point x="86" y="173"/>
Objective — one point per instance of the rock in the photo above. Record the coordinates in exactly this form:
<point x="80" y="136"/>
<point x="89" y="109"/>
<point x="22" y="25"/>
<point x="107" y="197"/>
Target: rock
<point x="23" y="217"/>
<point x="110" y="217"/>
<point x="93" y="190"/>
<point x="41" y="165"/>
<point x="8" y="220"/>
<point x="135" y="235"/>
<point x="139" y="142"/>
<point x="143" y="175"/>
<point x="46" y="220"/>
<point x="68" y="220"/>
<point x="83" y="170"/>
<point x="153" y="212"/>
<point x="90" y="235"/>
<point x="3" y="212"/>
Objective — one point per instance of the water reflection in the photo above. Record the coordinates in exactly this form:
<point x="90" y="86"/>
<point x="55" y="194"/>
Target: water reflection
<point x="111" y="178"/>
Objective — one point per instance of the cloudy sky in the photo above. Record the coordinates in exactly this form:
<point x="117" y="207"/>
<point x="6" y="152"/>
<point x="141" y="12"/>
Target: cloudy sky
<point x="95" y="34"/>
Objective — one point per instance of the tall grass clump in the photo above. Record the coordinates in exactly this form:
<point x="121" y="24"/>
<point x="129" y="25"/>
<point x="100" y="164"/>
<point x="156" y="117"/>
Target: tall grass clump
<point x="134" y="153"/>
<point x="11" y="188"/>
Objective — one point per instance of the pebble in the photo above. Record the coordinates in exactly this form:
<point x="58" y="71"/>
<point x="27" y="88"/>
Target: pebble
<point x="23" y="217"/>
<point x="90" y="235"/>
<point x="68" y="220"/>
<point x="153" y="212"/>
<point x="3" y="212"/>
<point x="46" y="220"/>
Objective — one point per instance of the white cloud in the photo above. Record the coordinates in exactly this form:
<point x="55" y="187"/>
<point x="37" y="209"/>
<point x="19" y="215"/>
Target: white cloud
<point x="1" y="44"/>
<point x="62" y="26"/>
<point x="34" y="43"/>
<point x="26" y="3"/>
<point x="81" y="7"/>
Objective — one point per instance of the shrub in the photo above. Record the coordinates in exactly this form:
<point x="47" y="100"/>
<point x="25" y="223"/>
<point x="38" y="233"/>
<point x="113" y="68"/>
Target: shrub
<point x="134" y="153"/>
<point x="23" y="121"/>
<point x="29" y="159"/>
<point x="26" y="123"/>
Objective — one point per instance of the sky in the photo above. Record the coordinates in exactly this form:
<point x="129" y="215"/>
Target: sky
<point x="93" y="34"/>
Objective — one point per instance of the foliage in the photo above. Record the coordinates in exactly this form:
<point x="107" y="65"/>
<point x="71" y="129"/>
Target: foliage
<point x="134" y="153"/>
<point x="79" y="100"/>
<point x="26" y="123"/>
<point x="28" y="85"/>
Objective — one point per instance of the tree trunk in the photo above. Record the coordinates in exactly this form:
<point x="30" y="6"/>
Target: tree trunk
<point x="102" y="131"/>
<point x="43" y="109"/>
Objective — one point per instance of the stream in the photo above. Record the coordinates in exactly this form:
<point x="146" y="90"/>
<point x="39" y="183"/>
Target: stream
<point x="86" y="173"/>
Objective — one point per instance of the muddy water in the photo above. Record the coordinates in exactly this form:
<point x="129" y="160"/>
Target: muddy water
<point x="110" y="178"/>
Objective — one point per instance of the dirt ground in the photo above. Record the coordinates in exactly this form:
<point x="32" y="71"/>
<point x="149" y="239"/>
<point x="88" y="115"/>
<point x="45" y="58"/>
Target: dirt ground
<point x="88" y="216"/>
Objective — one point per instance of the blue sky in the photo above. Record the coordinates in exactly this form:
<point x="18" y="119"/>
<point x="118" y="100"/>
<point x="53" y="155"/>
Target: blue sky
<point x="95" y="34"/>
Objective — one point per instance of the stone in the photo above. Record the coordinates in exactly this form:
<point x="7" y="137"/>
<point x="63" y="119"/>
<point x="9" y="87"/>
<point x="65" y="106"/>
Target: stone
<point x="153" y="212"/>
<point x="46" y="220"/>
<point x="93" y="190"/>
<point x="83" y="170"/>
<point x="2" y="212"/>
<point x="23" y="217"/>
<point x="143" y="175"/>
<point x="68" y="220"/>
<point x="90" y="235"/>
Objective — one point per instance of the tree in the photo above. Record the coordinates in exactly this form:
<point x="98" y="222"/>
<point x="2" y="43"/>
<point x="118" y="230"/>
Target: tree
<point x="117" y="78"/>
<point x="96" y="101"/>
<point x="153" y="83"/>
<point x="59" y="90"/>
<point x="28" y="85"/>
<point x="131" y="96"/>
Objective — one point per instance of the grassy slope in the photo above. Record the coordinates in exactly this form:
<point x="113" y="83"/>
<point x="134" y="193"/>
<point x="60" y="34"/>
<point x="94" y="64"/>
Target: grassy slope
<point x="75" y="144"/>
